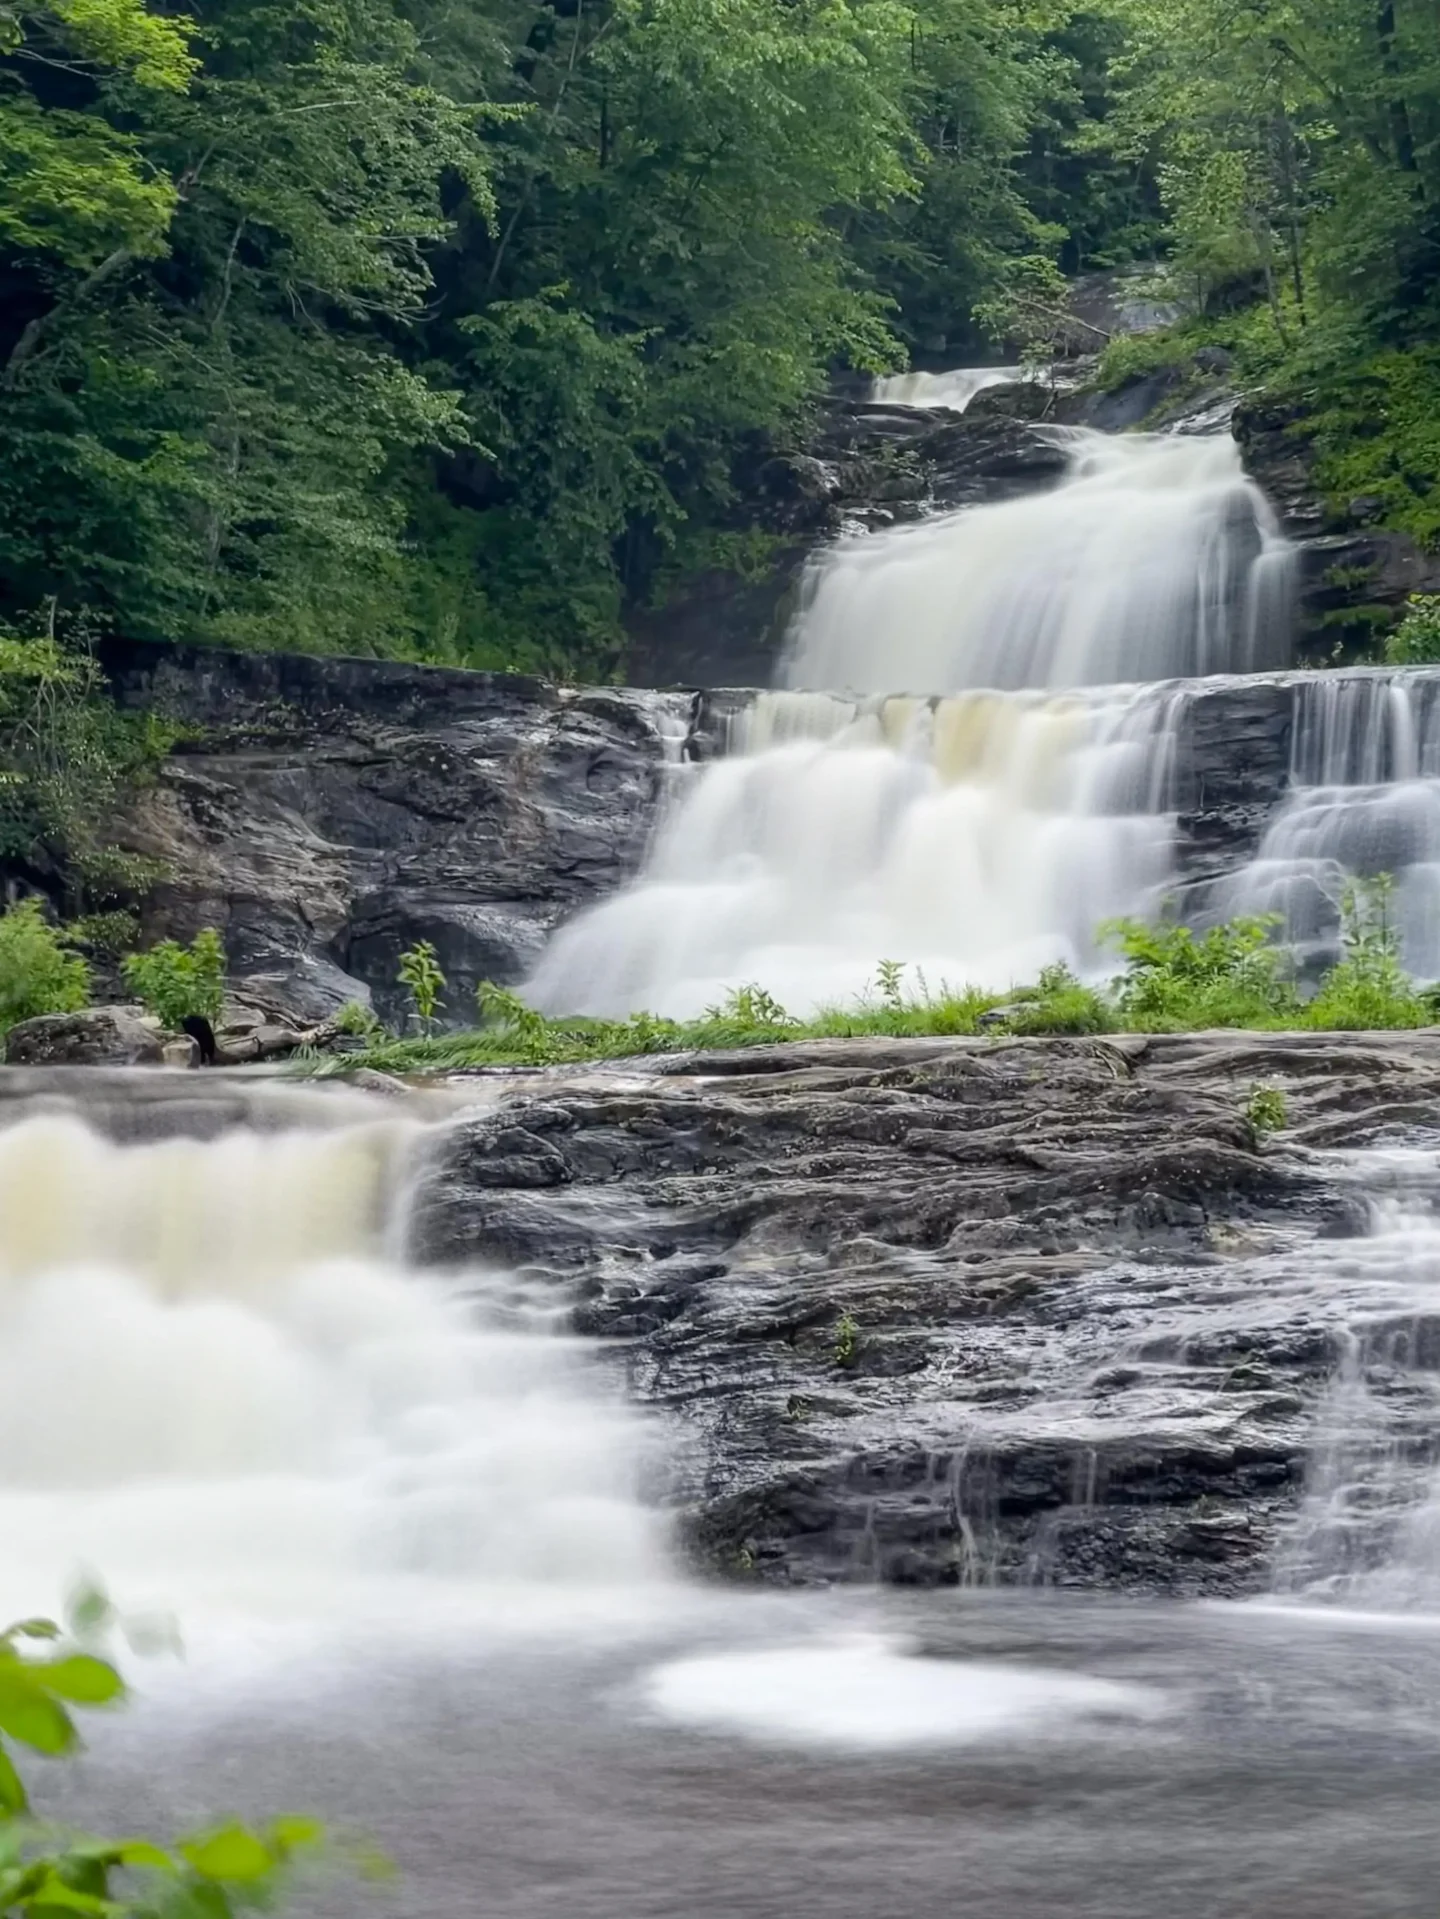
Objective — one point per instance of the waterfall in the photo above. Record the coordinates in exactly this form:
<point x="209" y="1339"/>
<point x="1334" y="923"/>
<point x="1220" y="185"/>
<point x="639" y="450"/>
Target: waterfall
<point x="1155" y="558"/>
<point x="984" y="819"/>
<point x="975" y="839"/>
<point x="223" y="1391"/>
<point x="953" y="390"/>
<point x="1364" y="800"/>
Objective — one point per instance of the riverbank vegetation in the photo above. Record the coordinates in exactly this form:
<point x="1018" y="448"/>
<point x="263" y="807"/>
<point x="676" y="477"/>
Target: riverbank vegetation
<point x="1170" y="979"/>
<point x="387" y="328"/>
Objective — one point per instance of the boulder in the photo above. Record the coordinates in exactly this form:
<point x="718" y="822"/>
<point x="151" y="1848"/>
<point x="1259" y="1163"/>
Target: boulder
<point x="99" y="1036"/>
<point x="946" y="1311"/>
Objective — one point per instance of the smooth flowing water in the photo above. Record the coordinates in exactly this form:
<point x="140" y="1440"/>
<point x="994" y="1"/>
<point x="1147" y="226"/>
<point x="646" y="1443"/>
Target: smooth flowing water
<point x="940" y="782"/>
<point x="1365" y="800"/>
<point x="398" y="1521"/>
<point x="410" y="1532"/>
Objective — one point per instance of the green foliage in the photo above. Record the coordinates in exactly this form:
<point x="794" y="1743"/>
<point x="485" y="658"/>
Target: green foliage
<point x="1175" y="979"/>
<point x="1415" y="640"/>
<point x="44" y="1675"/>
<point x="1369" y="988"/>
<point x="846" y="1349"/>
<point x="419" y="973"/>
<point x="176" y="982"/>
<point x="1060" y="1003"/>
<point x="67" y="759"/>
<point x="1265" y="1111"/>
<point x="38" y="974"/>
<point x="359" y="1021"/>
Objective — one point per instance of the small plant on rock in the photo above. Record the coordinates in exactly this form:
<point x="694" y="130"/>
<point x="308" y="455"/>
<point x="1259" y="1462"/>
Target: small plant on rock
<point x="420" y="974"/>
<point x="847" y="1341"/>
<point x="1265" y="1111"/>
<point x="177" y="982"/>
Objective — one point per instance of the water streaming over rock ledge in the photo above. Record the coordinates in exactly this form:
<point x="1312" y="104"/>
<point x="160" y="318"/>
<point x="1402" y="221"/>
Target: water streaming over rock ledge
<point x="222" y="1388"/>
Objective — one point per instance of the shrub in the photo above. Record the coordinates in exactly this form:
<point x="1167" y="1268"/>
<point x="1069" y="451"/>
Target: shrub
<point x="1175" y="979"/>
<point x="37" y="973"/>
<point x="1415" y="641"/>
<point x="177" y="982"/>
<point x="1369" y="988"/>
<point x="359" y="1020"/>
<point x="1265" y="1111"/>
<point x="1058" y="1003"/>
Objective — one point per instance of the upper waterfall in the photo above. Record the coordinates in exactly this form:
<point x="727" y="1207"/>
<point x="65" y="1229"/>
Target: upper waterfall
<point x="1155" y="558"/>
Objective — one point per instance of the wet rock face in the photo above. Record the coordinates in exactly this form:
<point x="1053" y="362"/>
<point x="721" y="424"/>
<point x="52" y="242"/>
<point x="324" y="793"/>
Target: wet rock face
<point x="325" y="814"/>
<point x="98" y="1036"/>
<point x="937" y="1311"/>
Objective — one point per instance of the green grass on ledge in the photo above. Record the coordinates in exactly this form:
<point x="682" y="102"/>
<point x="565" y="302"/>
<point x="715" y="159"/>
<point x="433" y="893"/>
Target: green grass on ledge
<point x="1172" y="980"/>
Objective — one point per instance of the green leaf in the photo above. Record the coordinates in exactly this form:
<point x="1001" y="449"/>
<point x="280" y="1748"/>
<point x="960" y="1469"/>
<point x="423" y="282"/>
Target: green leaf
<point x="28" y="1715"/>
<point x="82" y="1679"/>
<point x="140" y="1852"/>
<point x="54" y="1892"/>
<point x="34" y="1629"/>
<point x="234" y="1854"/>
<point x="12" y="1788"/>
<point x="292" y="1832"/>
<point x="89" y="1611"/>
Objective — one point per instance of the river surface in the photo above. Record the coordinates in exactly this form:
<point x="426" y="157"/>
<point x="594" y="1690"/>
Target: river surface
<point x="1003" y="1756"/>
<point x="400" y="1526"/>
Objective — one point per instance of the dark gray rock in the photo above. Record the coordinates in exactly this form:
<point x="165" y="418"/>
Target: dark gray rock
<point x="99" y="1036"/>
<point x="933" y="1311"/>
<point x="327" y="813"/>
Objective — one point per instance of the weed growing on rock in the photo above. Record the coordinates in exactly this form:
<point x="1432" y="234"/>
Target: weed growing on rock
<point x="419" y="972"/>
<point x="847" y="1341"/>
<point x="1265" y="1111"/>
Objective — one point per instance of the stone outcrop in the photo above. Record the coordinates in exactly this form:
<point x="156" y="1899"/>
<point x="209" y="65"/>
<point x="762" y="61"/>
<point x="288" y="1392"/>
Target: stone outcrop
<point x="937" y="1311"/>
<point x="324" y="814"/>
<point x="98" y="1036"/>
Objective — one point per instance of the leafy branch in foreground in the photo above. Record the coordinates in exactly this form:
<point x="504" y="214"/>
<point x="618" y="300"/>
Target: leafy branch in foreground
<point x="45" y="1674"/>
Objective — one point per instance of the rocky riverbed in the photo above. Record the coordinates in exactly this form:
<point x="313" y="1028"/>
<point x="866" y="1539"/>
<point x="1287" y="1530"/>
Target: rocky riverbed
<point x="937" y="1311"/>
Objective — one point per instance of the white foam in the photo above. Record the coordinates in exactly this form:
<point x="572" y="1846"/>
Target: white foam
<point x="874" y="1694"/>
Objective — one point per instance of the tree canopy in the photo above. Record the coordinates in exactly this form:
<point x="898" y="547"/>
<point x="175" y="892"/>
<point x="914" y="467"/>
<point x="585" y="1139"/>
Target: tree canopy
<point x="403" y="327"/>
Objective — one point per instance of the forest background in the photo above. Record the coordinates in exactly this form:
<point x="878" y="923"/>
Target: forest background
<point x="449" y="329"/>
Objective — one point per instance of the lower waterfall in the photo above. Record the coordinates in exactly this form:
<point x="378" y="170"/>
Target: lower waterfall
<point x="221" y="1388"/>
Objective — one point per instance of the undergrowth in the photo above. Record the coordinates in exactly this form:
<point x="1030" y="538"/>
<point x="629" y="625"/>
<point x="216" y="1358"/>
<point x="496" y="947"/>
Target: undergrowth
<point x="1171" y="979"/>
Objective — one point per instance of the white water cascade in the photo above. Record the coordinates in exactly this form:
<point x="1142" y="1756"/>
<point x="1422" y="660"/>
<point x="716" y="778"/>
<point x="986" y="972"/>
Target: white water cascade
<point x="1365" y="800"/>
<point x="1155" y="558"/>
<point x="953" y="390"/>
<point x="985" y="823"/>
<point x="222" y="1392"/>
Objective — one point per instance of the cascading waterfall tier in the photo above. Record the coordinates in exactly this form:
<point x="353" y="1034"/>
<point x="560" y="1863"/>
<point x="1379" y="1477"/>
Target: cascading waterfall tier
<point x="975" y="839"/>
<point x="986" y="822"/>
<point x="1156" y="558"/>
<point x="1364" y="800"/>
<point x="952" y="391"/>
<point x="222" y="1391"/>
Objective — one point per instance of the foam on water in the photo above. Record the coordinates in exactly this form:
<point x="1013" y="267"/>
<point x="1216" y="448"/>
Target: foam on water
<point x="874" y="1694"/>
